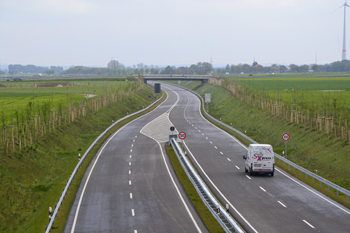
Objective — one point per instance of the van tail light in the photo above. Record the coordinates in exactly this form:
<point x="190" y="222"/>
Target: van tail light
<point x="251" y="166"/>
<point x="273" y="166"/>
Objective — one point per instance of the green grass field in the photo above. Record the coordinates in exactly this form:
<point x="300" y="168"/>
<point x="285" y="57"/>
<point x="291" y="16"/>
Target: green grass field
<point x="15" y="96"/>
<point x="307" y="91"/>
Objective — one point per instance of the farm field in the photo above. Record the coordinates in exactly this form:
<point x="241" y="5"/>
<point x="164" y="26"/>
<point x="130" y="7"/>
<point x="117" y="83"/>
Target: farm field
<point x="15" y="96"/>
<point x="311" y="88"/>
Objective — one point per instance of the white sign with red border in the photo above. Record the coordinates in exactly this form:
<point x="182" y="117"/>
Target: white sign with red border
<point x="182" y="135"/>
<point x="285" y="137"/>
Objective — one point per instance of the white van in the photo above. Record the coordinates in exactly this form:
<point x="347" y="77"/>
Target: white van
<point x="260" y="159"/>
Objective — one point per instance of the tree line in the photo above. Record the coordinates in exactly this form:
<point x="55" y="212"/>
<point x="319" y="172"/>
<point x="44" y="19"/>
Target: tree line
<point x="15" y="69"/>
<point x="255" y="68"/>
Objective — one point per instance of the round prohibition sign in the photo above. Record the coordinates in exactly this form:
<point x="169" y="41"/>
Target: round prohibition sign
<point x="285" y="137"/>
<point x="182" y="135"/>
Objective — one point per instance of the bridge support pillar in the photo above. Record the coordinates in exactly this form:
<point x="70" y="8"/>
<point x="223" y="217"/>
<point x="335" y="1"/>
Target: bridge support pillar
<point x="204" y="81"/>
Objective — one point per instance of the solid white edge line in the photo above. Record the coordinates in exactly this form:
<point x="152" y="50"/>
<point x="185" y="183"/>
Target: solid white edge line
<point x="308" y="224"/>
<point x="98" y="156"/>
<point x="282" y="204"/>
<point x="227" y="201"/>
<point x="171" y="177"/>
<point x="262" y="188"/>
<point x="312" y="191"/>
<point x="200" y="112"/>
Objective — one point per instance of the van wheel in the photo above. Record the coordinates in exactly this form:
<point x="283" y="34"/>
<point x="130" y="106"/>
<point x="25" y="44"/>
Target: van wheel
<point x="250" y="172"/>
<point x="272" y="173"/>
<point x="245" y="170"/>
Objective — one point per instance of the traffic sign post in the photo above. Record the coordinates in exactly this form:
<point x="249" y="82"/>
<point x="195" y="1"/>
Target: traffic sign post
<point x="172" y="128"/>
<point x="285" y="138"/>
<point x="182" y="135"/>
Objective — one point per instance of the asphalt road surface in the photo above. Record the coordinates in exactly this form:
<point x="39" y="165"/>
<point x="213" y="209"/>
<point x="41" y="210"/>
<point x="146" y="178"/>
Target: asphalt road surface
<point x="259" y="203"/>
<point x="130" y="185"/>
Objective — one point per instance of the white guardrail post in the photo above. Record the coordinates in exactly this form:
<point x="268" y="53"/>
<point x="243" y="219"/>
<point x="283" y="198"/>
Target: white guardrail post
<point x="63" y="194"/>
<point x="220" y="214"/>
<point x="290" y="164"/>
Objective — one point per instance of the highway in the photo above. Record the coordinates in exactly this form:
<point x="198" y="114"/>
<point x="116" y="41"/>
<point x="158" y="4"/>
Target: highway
<point x="259" y="203"/>
<point x="130" y="185"/>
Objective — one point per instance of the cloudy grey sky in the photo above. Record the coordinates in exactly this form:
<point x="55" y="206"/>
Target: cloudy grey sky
<point x="170" y="32"/>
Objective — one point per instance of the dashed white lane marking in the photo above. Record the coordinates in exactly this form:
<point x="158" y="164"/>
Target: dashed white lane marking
<point x="135" y="231"/>
<point x="282" y="204"/>
<point x="133" y="140"/>
<point x="221" y="153"/>
<point x="215" y="147"/>
<point x="129" y="172"/>
<point x="308" y="224"/>
<point x="206" y="138"/>
<point x="129" y="182"/>
<point x="135" y="136"/>
<point x="346" y="211"/>
<point x="131" y="150"/>
<point x="211" y="142"/>
<point x="203" y="134"/>
<point x="262" y="188"/>
<point x="199" y="131"/>
<point x="130" y="195"/>
<point x="130" y="156"/>
<point x="248" y="177"/>
<point x="228" y="159"/>
<point x="132" y="145"/>
<point x="132" y="212"/>
<point x="239" y="168"/>
<point x="129" y="163"/>
<point x="212" y="183"/>
<point x="195" y="127"/>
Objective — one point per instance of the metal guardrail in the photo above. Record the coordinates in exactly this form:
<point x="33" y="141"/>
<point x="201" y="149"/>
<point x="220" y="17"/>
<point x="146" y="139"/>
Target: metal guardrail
<point x="224" y="218"/>
<point x="290" y="164"/>
<point x="63" y="194"/>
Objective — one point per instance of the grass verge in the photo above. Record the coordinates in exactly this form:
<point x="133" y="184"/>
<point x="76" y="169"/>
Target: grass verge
<point x="208" y="219"/>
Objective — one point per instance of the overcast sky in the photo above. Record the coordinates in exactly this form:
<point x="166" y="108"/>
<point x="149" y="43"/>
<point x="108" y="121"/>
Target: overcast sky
<point x="170" y="32"/>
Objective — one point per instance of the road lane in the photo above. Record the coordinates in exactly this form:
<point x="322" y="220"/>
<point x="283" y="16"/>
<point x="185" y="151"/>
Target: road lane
<point x="131" y="188"/>
<point x="284" y="206"/>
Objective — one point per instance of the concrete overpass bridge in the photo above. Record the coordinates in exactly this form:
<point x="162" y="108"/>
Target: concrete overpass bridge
<point x="202" y="78"/>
